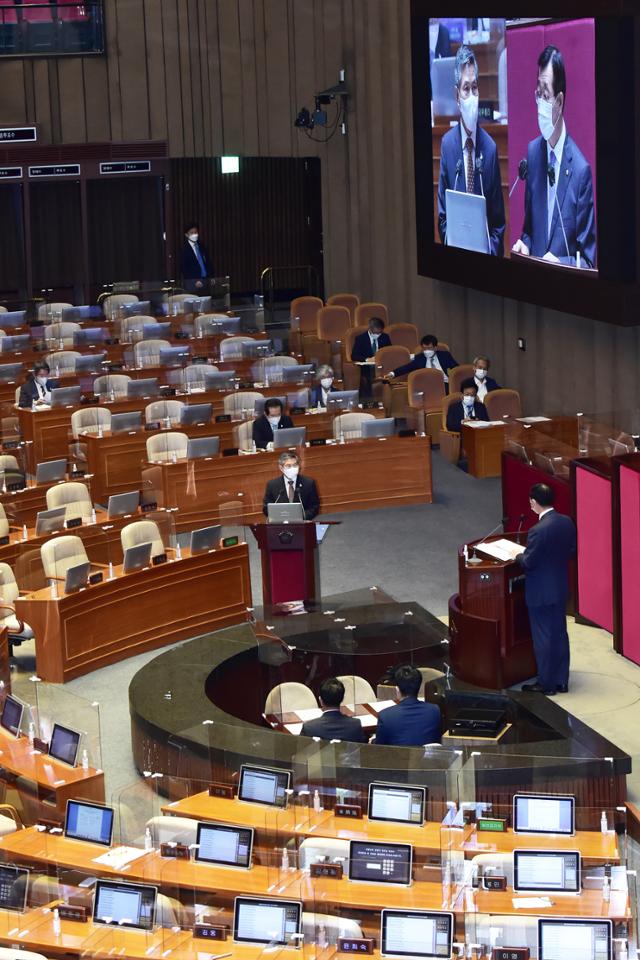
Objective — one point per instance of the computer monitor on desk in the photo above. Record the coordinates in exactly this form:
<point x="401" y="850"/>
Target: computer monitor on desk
<point x="123" y="504"/>
<point x="14" y="884"/>
<point x="10" y="372"/>
<point x="380" y="427"/>
<point x="264" y="785"/>
<point x="544" y="814"/>
<point x="121" y="904"/>
<point x="87" y="311"/>
<point x="199" y="447"/>
<point x="157" y="331"/>
<point x="90" y="362"/>
<point x="397" y="803"/>
<point x="541" y="871"/>
<point x="380" y="862"/>
<point x="289" y="437"/>
<point x="76" y="577"/>
<point x="139" y="309"/>
<point x="300" y="373"/>
<point x="416" y="933"/>
<point x="13" y="318"/>
<point x="19" y="341"/>
<point x="342" y="400"/>
<point x="257" y="920"/>
<point x="173" y="356"/>
<point x="254" y="349"/>
<point x="223" y="845"/>
<point x="49" y="521"/>
<point x="90" y="822"/>
<point x="11" y="716"/>
<point x="121" y="422"/>
<point x="196" y="413"/>
<point x="146" y="387"/>
<point x="64" y="744"/>
<point x="89" y="336"/>
<point x="206" y="538"/>
<point x="562" y="937"/>
<point x="219" y="379"/>
<point x="50" y="471"/>
<point x="137" y="557"/>
<point x="65" y="396"/>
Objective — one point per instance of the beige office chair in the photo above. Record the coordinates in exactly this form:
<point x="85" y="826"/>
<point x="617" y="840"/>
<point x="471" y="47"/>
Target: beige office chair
<point x="507" y="931"/>
<point x="90" y="420"/>
<point x="365" y="312"/>
<point x="231" y="348"/>
<point x="404" y="335"/>
<point x="207" y="324"/>
<point x="243" y="435"/>
<point x="349" y="425"/>
<point x="3" y="309"/>
<point x="163" y="447"/>
<point x="8" y="463"/>
<point x="357" y="689"/>
<point x="146" y="353"/>
<point x="61" y="333"/>
<point x="111" y="305"/>
<point x="62" y="362"/>
<point x="334" y="927"/>
<point x="303" y="319"/>
<point x="450" y="443"/>
<point x="112" y="385"/>
<point x="175" y="302"/>
<point x="498" y="863"/>
<point x="164" y="410"/>
<point x="51" y="312"/>
<point x="74" y="496"/>
<point x="425" y="391"/>
<point x="286" y="697"/>
<point x="130" y="329"/>
<point x="18" y="630"/>
<point x="172" y="829"/>
<point x="241" y="403"/>
<point x="59" y="554"/>
<point x="270" y="368"/>
<point x="314" y="849"/>
<point x="143" y="531"/>
<point x="194" y="377"/>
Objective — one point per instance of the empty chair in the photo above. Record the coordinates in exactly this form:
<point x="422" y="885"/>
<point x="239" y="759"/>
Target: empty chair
<point x="357" y="689"/>
<point x="333" y="323"/>
<point x="503" y="403"/>
<point x="172" y="829"/>
<point x="498" y="863"/>
<point x="112" y="385"/>
<point x="195" y="375"/>
<point x="349" y="425"/>
<point x="143" y="531"/>
<point x="8" y="463"/>
<point x="231" y="348"/>
<point x="4" y="309"/>
<point x="404" y="335"/>
<point x="62" y="332"/>
<point x="425" y="392"/>
<point x="367" y="311"/>
<point x="315" y="849"/>
<point x="111" y="305"/>
<point x="270" y="368"/>
<point x="457" y="374"/>
<point x="286" y="697"/>
<point x="59" y="554"/>
<point x="243" y="435"/>
<point x="163" y="447"/>
<point x="18" y="630"/>
<point x="450" y="443"/>
<point x="333" y="927"/>
<point x="4" y="522"/>
<point x="90" y="420"/>
<point x="10" y="821"/>
<point x="166" y="411"/>
<point x="206" y="324"/>
<point x="147" y="352"/>
<point x="131" y="327"/>
<point x="74" y="496"/>
<point x="241" y="403"/>
<point x="175" y="302"/>
<point x="389" y="358"/>
<point x="51" y="312"/>
<point x="62" y="362"/>
<point x="348" y="300"/>
<point x="304" y="313"/>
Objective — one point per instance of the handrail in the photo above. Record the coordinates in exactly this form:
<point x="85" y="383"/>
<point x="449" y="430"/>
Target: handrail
<point x="268" y="274"/>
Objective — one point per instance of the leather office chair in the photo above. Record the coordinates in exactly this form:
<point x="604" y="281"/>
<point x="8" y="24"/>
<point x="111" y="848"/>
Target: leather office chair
<point x="349" y="425"/>
<point x="113" y="384"/>
<point x="8" y="463"/>
<point x="314" y="849"/>
<point x="333" y="323"/>
<point x="457" y="374"/>
<point x="3" y="309"/>
<point x="357" y="689"/>
<point x="147" y="352"/>
<point x="143" y="531"/>
<point x="61" y="333"/>
<point x="72" y="495"/>
<point x="503" y="403"/>
<point x="388" y="358"/>
<point x="350" y="372"/>
<point x="59" y="554"/>
<point x="404" y="335"/>
<point x="364" y="312"/>
<point x="450" y="443"/>
<point x="303" y="319"/>
<point x="51" y="312"/>
<point x="290" y="696"/>
<point x="243" y="435"/>
<point x="393" y="394"/>
<point x="425" y="393"/>
<point x="163" y="447"/>
<point x="334" y="927"/>
<point x="241" y="403"/>
<point x="131" y="327"/>
<point x="62" y="362"/>
<point x="18" y="630"/>
<point x="206" y="324"/>
<point x="270" y="368"/>
<point x="231" y="348"/>
<point x="111" y="305"/>
<point x="348" y="300"/>
<point x="164" y="410"/>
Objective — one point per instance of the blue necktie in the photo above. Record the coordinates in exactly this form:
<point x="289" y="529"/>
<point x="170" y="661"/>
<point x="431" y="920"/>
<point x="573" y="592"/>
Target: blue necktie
<point x="551" y="198"/>
<point x="203" y="269"/>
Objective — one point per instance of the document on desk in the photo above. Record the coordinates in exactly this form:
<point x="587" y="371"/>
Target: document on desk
<point x="119" y="857"/>
<point x="368" y="720"/>
<point x="294" y="728"/>
<point x="311" y="714"/>
<point x="501" y="549"/>
<point x="533" y="419"/>
<point x="480" y="424"/>
<point x="531" y="903"/>
<point x="378" y="705"/>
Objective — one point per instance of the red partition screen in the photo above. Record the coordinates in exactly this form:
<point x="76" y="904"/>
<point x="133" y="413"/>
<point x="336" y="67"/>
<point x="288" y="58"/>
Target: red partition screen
<point x="593" y="521"/>
<point x="629" y="494"/>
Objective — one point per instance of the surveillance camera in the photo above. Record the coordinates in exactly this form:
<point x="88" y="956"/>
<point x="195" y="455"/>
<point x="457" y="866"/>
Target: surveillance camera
<point x="304" y="119"/>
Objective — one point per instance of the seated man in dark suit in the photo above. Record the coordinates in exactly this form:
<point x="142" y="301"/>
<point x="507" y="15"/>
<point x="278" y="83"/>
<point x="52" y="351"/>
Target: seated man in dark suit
<point x="333" y="724"/>
<point x="322" y="387"/>
<point x="272" y="419"/>
<point x="36" y="390"/>
<point x="429" y="357"/>
<point x="483" y="381"/>
<point x="195" y="264"/>
<point x="292" y="487"/>
<point x="365" y="347"/>
<point x="469" y="408"/>
<point x="411" y="723"/>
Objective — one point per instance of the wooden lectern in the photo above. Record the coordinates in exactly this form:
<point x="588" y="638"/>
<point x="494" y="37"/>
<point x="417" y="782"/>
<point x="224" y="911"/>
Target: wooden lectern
<point x="490" y="636"/>
<point x="289" y="570"/>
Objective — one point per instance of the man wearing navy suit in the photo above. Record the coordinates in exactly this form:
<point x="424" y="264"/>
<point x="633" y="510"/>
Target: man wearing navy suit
<point x="429" y="357"/>
<point x="469" y="408"/>
<point x="551" y="544"/>
<point x="292" y="487"/>
<point x="273" y="418"/>
<point x="365" y="347"/>
<point x="411" y="723"/>
<point x="559" y="220"/>
<point x="469" y="156"/>
<point x="333" y="724"/>
<point x="195" y="263"/>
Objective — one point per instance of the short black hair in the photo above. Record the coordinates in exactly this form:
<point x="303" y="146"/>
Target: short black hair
<point x="376" y="322"/>
<point x="429" y="340"/>
<point x="272" y="403"/>
<point x="41" y="365"/>
<point x="331" y="692"/>
<point x="467" y="384"/>
<point x="543" y="494"/>
<point x="408" y="680"/>
<point x="192" y="225"/>
<point x="551" y="55"/>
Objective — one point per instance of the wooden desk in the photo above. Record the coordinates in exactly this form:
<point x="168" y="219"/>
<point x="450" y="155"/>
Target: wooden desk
<point x="483" y="447"/>
<point x="22" y="506"/>
<point x="145" y="610"/>
<point x="359" y="475"/>
<point x="54" y="782"/>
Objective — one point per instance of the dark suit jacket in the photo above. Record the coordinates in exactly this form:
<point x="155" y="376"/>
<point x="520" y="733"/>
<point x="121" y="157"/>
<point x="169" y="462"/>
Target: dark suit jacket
<point x="551" y="544"/>
<point x="457" y="413"/>
<point x="190" y="267"/>
<point x="487" y="182"/>
<point x="306" y="493"/>
<point x="419" y="362"/>
<point x="29" y="392"/>
<point x="491" y="384"/>
<point x="315" y="394"/>
<point x="333" y="725"/>
<point x="362" y="349"/>
<point x="263" y="432"/>
<point x="443" y="43"/>
<point x="575" y="199"/>
<point x="411" y="723"/>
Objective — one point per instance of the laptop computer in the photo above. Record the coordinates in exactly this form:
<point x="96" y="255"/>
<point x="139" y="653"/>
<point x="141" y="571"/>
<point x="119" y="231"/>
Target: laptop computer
<point x="76" y="577"/>
<point x="285" y="513"/>
<point x="65" y="396"/>
<point x="135" y="558"/>
<point x="130" y="420"/>
<point x="196" y="413"/>
<point x="466" y="221"/>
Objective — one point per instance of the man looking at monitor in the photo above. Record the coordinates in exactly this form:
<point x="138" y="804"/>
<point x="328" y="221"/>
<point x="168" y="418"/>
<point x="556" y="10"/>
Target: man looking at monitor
<point x="292" y="487"/>
<point x="469" y="156"/>
<point x="271" y="420"/>
<point x="36" y="390"/>
<point x="333" y="724"/>
<point x="559" y="220"/>
<point x="412" y="722"/>
<point x="430" y="358"/>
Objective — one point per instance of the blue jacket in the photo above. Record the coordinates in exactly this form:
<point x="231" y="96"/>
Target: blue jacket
<point x="362" y="349"/>
<point x="551" y="544"/>
<point x="410" y="723"/>
<point x="445" y="359"/>
<point x="334" y="725"/>
<point x="488" y="182"/>
<point x="575" y="199"/>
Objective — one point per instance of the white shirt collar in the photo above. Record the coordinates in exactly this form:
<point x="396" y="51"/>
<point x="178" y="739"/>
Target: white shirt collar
<point x="463" y="136"/>
<point x="544" y="512"/>
<point x="558" y="150"/>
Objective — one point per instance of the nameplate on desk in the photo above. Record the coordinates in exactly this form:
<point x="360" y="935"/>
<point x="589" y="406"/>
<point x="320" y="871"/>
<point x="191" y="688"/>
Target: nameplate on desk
<point x="351" y="810"/>
<point x="510" y="953"/>
<point x="245" y="385"/>
<point x="318" y="442"/>
<point x="406" y="433"/>
<point x="181" y="336"/>
<point x="210" y="931"/>
<point x="148" y="507"/>
<point x="4" y="541"/>
<point x="224" y="790"/>
<point x="355" y="944"/>
<point x="199" y="359"/>
<point x="74" y="522"/>
<point x="166" y="391"/>
<point x="42" y="746"/>
<point x="112" y="342"/>
<point x="297" y="410"/>
<point x="230" y="542"/>
<point x="494" y="883"/>
<point x="78" y="473"/>
<point x="95" y="578"/>
<point x="494" y="824"/>
<point x="160" y="558"/>
<point x="68" y="912"/>
<point x="230" y="452"/>
<point x="12" y="487"/>
<point x="85" y="398"/>
<point x="333" y="870"/>
<point x="223" y="418"/>
<point x="179" y="851"/>
<point x="48" y="824"/>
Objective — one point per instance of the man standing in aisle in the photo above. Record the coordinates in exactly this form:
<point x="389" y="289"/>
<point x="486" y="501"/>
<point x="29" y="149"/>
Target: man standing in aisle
<point x="196" y="266"/>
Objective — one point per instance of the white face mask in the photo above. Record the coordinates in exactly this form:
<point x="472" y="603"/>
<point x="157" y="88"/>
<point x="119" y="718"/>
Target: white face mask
<point x="193" y="237"/>
<point x="291" y="472"/>
<point x="42" y="381"/>
<point x="468" y="401"/>
<point x="429" y="353"/>
<point x="326" y="382"/>
<point x="480" y="373"/>
<point x="469" y="112"/>
<point x="374" y="335"/>
<point x="274" y="421"/>
<point x="545" y="117"/>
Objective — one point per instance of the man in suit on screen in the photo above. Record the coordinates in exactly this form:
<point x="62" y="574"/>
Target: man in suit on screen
<point x="469" y="156"/>
<point x="559" y="220"/>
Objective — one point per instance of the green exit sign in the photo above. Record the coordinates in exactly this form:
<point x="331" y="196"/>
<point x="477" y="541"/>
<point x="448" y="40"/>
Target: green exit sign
<point x="492" y="823"/>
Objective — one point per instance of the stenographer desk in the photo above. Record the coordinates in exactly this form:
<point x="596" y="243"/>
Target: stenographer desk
<point x="483" y="445"/>
<point x="110" y="621"/>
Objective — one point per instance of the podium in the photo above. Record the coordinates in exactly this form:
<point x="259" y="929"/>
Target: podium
<point x="288" y="552"/>
<point x="490" y="637"/>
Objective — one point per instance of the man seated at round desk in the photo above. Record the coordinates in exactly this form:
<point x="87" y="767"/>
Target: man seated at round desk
<point x="333" y="724"/>
<point x="292" y="487"/>
<point x="412" y="722"/>
<point x="36" y="390"/>
<point x="322" y="387"/>
<point x="469" y="408"/>
<point x="272" y="419"/>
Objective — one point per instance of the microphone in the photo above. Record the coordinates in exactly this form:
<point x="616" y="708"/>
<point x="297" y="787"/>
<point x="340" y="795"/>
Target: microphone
<point x="523" y="170"/>
<point x="520" y="526"/>
<point x="458" y="172"/>
<point x="479" y="170"/>
<point x="475" y="558"/>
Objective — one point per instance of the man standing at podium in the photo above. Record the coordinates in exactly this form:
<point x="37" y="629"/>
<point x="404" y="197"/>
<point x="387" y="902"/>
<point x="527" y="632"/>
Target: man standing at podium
<point x="292" y="487"/>
<point x="551" y="544"/>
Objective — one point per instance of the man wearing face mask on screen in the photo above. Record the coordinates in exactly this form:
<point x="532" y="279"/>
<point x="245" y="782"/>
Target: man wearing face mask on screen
<point x="292" y="487"/>
<point x="559" y="222"/>
<point x="469" y="156"/>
